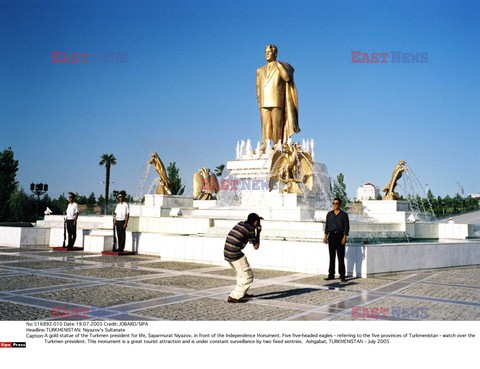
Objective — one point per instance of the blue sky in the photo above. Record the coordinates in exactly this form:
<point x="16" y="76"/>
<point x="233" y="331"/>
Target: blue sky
<point x="187" y="90"/>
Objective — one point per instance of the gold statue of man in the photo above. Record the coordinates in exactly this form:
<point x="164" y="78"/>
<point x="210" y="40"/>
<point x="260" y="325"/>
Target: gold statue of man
<point x="277" y="99"/>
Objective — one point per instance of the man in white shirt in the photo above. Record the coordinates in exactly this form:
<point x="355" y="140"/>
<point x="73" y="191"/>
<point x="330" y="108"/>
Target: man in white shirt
<point x="120" y="222"/>
<point x="71" y="220"/>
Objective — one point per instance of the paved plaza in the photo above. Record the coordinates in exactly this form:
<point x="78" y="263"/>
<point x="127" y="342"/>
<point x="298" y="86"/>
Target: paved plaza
<point x="139" y="287"/>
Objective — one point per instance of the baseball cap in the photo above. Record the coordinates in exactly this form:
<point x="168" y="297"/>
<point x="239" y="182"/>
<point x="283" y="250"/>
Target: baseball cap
<point x="253" y="217"/>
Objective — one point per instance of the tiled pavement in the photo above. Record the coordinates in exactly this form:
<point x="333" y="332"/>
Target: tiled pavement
<point x="147" y="288"/>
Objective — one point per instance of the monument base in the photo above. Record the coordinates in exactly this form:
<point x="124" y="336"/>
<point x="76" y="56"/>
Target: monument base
<point x="99" y="240"/>
<point x="387" y="211"/>
<point x="161" y="205"/>
<point x="269" y="205"/>
<point x="168" y="201"/>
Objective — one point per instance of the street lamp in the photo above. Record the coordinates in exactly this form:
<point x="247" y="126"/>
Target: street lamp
<point x="38" y="189"/>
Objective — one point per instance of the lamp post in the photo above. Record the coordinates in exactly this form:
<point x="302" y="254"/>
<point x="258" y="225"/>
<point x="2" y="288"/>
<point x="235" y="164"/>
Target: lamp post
<point x="38" y="189"/>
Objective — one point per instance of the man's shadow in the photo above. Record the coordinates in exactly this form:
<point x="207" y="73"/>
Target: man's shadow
<point x="135" y="241"/>
<point x="301" y="291"/>
<point x="283" y="294"/>
<point x="335" y="285"/>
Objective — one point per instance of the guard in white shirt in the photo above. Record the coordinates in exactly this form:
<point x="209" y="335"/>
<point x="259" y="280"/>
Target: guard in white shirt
<point x="122" y="213"/>
<point x="71" y="220"/>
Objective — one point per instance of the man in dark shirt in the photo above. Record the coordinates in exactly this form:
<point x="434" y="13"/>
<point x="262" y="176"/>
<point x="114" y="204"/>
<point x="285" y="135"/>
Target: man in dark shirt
<point x="237" y="239"/>
<point x="336" y="231"/>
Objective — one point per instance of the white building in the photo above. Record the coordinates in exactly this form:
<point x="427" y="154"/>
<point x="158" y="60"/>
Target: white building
<point x="367" y="192"/>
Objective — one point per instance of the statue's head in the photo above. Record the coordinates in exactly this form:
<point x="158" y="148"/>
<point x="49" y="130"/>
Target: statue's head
<point x="204" y="172"/>
<point x="153" y="156"/>
<point x="270" y="53"/>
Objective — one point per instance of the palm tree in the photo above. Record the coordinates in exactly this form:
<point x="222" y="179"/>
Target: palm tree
<point x="107" y="160"/>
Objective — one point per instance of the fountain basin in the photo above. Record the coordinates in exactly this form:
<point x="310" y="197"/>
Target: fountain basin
<point x="311" y="256"/>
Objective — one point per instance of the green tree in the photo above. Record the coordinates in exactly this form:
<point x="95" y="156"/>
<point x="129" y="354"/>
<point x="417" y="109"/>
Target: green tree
<point x="23" y="207"/>
<point x="91" y="201"/>
<point x="101" y="201"/>
<point x="80" y="199"/>
<point x="472" y="203"/>
<point x="8" y="184"/>
<point x="219" y="170"/>
<point x="175" y="180"/>
<point x="448" y="206"/>
<point x="340" y="189"/>
<point x="44" y="203"/>
<point x="108" y="160"/>
<point x="60" y="204"/>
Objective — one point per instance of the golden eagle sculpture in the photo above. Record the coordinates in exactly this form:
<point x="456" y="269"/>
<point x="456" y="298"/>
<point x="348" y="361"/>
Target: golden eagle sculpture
<point x="390" y="194"/>
<point x="291" y="166"/>
<point x="205" y="185"/>
<point x="163" y="187"/>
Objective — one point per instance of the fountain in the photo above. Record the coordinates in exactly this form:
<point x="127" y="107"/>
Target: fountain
<point x="142" y="183"/>
<point x="382" y="239"/>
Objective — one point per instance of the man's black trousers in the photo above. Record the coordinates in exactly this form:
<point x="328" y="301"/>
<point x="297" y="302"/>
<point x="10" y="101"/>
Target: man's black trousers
<point x="121" y="235"/>
<point x="72" y="232"/>
<point x="335" y="247"/>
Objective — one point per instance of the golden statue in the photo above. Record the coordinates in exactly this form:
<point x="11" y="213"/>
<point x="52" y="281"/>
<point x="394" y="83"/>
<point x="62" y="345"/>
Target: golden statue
<point x="205" y="185"/>
<point x="292" y="166"/>
<point x="163" y="187"/>
<point x="277" y="99"/>
<point x="390" y="194"/>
